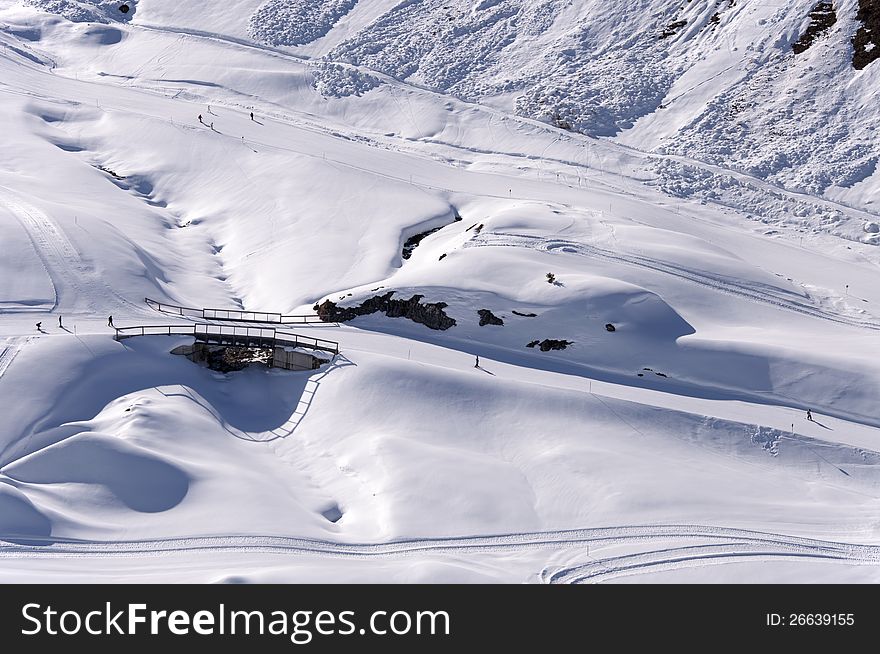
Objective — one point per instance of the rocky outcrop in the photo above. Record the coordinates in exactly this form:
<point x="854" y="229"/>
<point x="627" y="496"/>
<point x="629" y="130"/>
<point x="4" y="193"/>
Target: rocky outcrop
<point x="866" y="42"/>
<point x="430" y="314"/>
<point x="489" y="318"/>
<point x="228" y="359"/>
<point x="413" y="241"/>
<point x="524" y="315"/>
<point x="550" y="344"/>
<point x="672" y="29"/>
<point x="610" y="328"/>
<point x="822" y="17"/>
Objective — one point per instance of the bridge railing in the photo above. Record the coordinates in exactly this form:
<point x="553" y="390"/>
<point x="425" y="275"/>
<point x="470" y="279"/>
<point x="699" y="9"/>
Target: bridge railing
<point x="222" y="331"/>
<point x="241" y="316"/>
<point x="233" y="315"/>
<point x="296" y="340"/>
<point x="230" y="335"/>
<point x="154" y="330"/>
<point x="173" y="309"/>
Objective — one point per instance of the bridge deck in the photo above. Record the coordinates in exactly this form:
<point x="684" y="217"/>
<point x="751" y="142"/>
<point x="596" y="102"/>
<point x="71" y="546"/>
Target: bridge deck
<point x="250" y="337"/>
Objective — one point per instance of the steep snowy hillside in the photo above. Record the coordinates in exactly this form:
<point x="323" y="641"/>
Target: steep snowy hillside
<point x="582" y="304"/>
<point x="785" y="93"/>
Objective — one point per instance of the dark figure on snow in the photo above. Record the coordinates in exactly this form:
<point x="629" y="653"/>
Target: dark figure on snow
<point x="477" y="364"/>
<point x="39" y="326"/>
<point x="809" y="415"/>
<point x="110" y="321"/>
<point x="252" y="115"/>
<point x="59" y="322"/>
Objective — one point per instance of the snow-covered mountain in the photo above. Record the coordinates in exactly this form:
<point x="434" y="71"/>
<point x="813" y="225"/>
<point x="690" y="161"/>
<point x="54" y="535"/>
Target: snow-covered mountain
<point x="588" y="265"/>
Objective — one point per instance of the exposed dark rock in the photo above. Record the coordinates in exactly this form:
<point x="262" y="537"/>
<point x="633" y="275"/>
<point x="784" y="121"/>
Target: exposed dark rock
<point x="550" y="344"/>
<point x="660" y="374"/>
<point x="640" y="374"/>
<point x="671" y="29"/>
<point x="431" y="315"/>
<point x="611" y="328"/>
<point x="442" y="256"/>
<point x="413" y="242"/>
<point x="524" y="315"/>
<point x="111" y="173"/>
<point x="228" y="359"/>
<point x="489" y="318"/>
<point x="124" y="8"/>
<point x="866" y="42"/>
<point x="715" y="19"/>
<point x="822" y="17"/>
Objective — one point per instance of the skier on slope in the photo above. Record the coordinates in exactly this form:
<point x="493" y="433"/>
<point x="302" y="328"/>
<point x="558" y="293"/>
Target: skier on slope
<point x="200" y="119"/>
<point x="252" y="115"/>
<point x="39" y="326"/>
<point x="809" y="415"/>
<point x="110" y="321"/>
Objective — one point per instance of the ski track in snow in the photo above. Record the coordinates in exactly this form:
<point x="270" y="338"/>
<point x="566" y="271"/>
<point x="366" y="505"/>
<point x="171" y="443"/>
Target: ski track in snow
<point x="10" y="350"/>
<point x="735" y="544"/>
<point x="67" y="271"/>
<point x="692" y="556"/>
<point x="40" y="231"/>
<point x="60" y="258"/>
<point x="759" y="293"/>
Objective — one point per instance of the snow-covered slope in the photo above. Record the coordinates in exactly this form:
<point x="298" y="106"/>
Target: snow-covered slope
<point x="702" y="300"/>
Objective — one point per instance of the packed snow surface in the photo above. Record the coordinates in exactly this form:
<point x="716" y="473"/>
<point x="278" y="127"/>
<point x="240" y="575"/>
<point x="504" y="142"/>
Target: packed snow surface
<point x="599" y="259"/>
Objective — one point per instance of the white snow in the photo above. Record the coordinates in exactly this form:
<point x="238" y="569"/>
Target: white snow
<point x="282" y="22"/>
<point x="735" y="257"/>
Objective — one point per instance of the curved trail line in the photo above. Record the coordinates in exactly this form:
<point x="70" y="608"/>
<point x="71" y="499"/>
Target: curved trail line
<point x="762" y="293"/>
<point x="69" y="274"/>
<point x="733" y="543"/>
<point x="8" y="351"/>
<point x="693" y="556"/>
<point x="57" y="254"/>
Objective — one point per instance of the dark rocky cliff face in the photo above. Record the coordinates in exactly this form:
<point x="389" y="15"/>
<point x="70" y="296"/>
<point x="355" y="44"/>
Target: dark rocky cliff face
<point x="822" y="17"/>
<point x="431" y="315"/>
<point x="866" y="42"/>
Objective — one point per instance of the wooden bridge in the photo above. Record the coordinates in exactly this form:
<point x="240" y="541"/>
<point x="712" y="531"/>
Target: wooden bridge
<point x="234" y="315"/>
<point x="232" y="336"/>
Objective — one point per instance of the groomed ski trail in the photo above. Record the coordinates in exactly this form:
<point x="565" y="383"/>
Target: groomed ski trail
<point x="760" y="293"/>
<point x="689" y="557"/>
<point x="8" y="351"/>
<point x="734" y="543"/>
